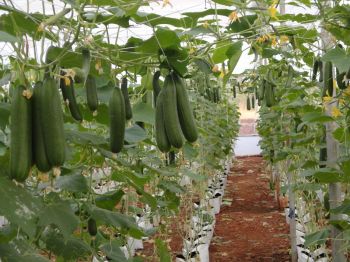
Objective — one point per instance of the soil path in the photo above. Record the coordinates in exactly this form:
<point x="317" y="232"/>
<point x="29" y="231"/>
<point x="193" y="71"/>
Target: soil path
<point x="249" y="226"/>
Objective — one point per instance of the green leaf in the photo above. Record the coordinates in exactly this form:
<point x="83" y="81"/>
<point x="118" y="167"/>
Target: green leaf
<point x="6" y="37"/>
<point x="70" y="249"/>
<point x="316" y="117"/>
<point x="61" y="215"/>
<point x="233" y="53"/>
<point x="116" y="219"/>
<point x="143" y="112"/>
<point x="4" y="115"/>
<point x="344" y="208"/>
<point x="324" y="175"/>
<point x="84" y="138"/>
<point x="109" y="200"/>
<point x="19" y="206"/>
<point x="339" y="58"/>
<point x="203" y="65"/>
<point x="243" y="25"/>
<point x="72" y="183"/>
<point x="219" y="53"/>
<point x="162" y="250"/>
<point x="317" y="238"/>
<point x="135" y="134"/>
<point x="20" y="250"/>
<point x="113" y="251"/>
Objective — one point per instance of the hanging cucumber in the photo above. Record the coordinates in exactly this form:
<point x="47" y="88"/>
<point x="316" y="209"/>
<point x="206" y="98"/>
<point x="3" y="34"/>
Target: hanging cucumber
<point x="289" y="77"/>
<point x="51" y="119"/>
<point x="156" y="87"/>
<point x="261" y="90"/>
<point x="117" y="120"/>
<point x="91" y="93"/>
<point x="21" y="135"/>
<point x="320" y="69"/>
<point x="269" y="95"/>
<point x="67" y="88"/>
<point x="92" y="227"/>
<point x="171" y="118"/>
<point x="234" y="92"/>
<point x="315" y="70"/>
<point x="161" y="136"/>
<point x="328" y="80"/>
<point x="124" y="88"/>
<point x="85" y="52"/>
<point x="341" y="82"/>
<point x="248" y="103"/>
<point x="185" y="112"/>
<point x="39" y="152"/>
<point x="253" y="101"/>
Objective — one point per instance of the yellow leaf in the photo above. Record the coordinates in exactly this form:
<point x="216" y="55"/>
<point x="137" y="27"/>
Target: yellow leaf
<point x="67" y="81"/>
<point x="284" y="39"/>
<point x="272" y="11"/>
<point x="222" y="74"/>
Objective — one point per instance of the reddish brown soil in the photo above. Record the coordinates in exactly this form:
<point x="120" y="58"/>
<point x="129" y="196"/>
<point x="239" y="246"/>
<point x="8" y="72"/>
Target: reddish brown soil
<point x="249" y="227"/>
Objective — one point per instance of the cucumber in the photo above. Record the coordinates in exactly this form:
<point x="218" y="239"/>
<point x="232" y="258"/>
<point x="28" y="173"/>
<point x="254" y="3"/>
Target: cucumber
<point x="289" y="77"/>
<point x="161" y="137"/>
<point x="91" y="93"/>
<point x="261" y="90"/>
<point x="248" y="103"/>
<point x="315" y="70"/>
<point x="69" y="97"/>
<point x="234" y="92"/>
<point x="39" y="152"/>
<point x="117" y="120"/>
<point x="340" y="80"/>
<point x="171" y="118"/>
<point x="21" y="135"/>
<point x="85" y="52"/>
<point x="156" y="87"/>
<point x="320" y="68"/>
<point x="269" y="95"/>
<point x="124" y="87"/>
<point x="327" y="80"/>
<point x="92" y="227"/>
<point x="253" y="101"/>
<point x="51" y="120"/>
<point x="185" y="112"/>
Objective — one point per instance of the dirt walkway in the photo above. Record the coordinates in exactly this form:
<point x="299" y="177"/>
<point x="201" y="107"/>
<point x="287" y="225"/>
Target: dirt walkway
<point x="249" y="227"/>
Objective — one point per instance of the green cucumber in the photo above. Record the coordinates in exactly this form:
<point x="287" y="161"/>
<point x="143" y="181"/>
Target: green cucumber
<point x="51" y="119"/>
<point x="253" y="101"/>
<point x="161" y="137"/>
<point x="69" y="98"/>
<point x="320" y="68"/>
<point x="124" y="87"/>
<point x="248" y="103"/>
<point x="117" y="120"/>
<point x="92" y="227"/>
<point x="289" y="77"/>
<point x="156" y="87"/>
<point x="315" y="70"/>
<point x="234" y="92"/>
<point x="185" y="112"/>
<point x="340" y="80"/>
<point x="39" y="152"/>
<point x="327" y="79"/>
<point x="269" y="95"/>
<point x="85" y="52"/>
<point x="91" y="93"/>
<point x="171" y="118"/>
<point x="21" y="135"/>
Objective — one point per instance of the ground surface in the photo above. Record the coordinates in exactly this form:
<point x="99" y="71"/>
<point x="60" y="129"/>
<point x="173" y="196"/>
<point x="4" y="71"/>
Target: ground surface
<point x="249" y="227"/>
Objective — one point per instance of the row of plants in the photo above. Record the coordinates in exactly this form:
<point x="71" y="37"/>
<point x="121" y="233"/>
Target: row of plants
<point x="96" y="136"/>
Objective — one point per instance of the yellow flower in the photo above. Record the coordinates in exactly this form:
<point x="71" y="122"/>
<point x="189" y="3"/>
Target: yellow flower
<point x="27" y="94"/>
<point x="284" y="39"/>
<point x="347" y="91"/>
<point x="206" y="24"/>
<point x="336" y="112"/>
<point x="192" y="50"/>
<point x="222" y="74"/>
<point x="273" y="41"/>
<point x="215" y="69"/>
<point x="233" y="16"/>
<point x="272" y="11"/>
<point x="263" y="38"/>
<point x="98" y="66"/>
<point x="327" y="99"/>
<point x="341" y="101"/>
<point x="67" y="81"/>
<point x="167" y="2"/>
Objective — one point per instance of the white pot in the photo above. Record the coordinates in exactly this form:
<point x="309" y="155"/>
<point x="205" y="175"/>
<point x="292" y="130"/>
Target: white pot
<point x="305" y="256"/>
<point x="135" y="244"/>
<point x="156" y="220"/>
<point x="215" y="203"/>
<point x="286" y="212"/>
<point x="320" y="255"/>
<point x="203" y="250"/>
<point x="125" y="251"/>
<point x="145" y="223"/>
